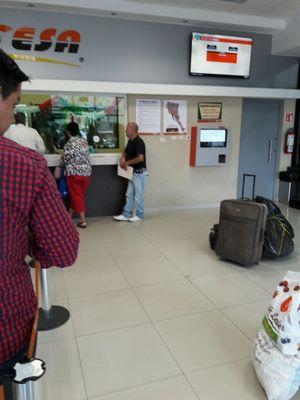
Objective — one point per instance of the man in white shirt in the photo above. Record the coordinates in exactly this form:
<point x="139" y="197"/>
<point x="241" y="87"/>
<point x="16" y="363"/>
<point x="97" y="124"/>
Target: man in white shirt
<point x="25" y="136"/>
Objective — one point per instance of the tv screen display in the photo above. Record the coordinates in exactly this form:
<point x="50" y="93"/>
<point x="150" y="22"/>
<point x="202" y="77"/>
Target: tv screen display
<point x="220" y="55"/>
<point x="213" y="138"/>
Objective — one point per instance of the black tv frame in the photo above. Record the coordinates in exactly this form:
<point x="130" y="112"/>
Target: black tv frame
<point x="212" y="146"/>
<point x="219" y="75"/>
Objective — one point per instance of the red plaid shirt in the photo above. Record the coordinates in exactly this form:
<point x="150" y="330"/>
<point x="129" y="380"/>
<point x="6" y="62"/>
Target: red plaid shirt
<point x="28" y="200"/>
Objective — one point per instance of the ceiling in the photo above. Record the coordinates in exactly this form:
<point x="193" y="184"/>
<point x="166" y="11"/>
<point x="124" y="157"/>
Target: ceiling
<point x="268" y="8"/>
<point x="278" y="17"/>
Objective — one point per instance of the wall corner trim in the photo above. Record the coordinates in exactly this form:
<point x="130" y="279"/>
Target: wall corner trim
<point x="74" y="86"/>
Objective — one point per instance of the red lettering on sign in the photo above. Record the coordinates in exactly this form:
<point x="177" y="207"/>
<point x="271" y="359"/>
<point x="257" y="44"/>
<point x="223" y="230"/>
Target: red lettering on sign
<point x="69" y="36"/>
<point x="47" y="34"/>
<point x="5" y="28"/>
<point x="24" y="33"/>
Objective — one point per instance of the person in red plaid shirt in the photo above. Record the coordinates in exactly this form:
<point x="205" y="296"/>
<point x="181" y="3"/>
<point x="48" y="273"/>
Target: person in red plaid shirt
<point x="29" y="202"/>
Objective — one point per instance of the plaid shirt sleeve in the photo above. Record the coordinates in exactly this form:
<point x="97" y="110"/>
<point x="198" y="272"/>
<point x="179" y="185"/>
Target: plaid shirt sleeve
<point x="55" y="239"/>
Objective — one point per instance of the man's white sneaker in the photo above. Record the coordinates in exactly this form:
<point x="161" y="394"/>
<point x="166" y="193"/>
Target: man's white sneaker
<point x="135" y="219"/>
<point x="120" y="218"/>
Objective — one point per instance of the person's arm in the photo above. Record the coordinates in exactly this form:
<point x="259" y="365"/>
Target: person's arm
<point x="140" y="158"/>
<point x="122" y="161"/>
<point x="140" y="151"/>
<point x="68" y="152"/>
<point x="54" y="237"/>
<point x="41" y="148"/>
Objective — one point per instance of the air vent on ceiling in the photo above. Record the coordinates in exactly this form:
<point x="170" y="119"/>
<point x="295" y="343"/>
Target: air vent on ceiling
<point x="235" y="1"/>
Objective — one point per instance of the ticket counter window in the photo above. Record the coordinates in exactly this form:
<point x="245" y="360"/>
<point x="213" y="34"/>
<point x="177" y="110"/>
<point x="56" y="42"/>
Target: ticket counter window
<point x="101" y="119"/>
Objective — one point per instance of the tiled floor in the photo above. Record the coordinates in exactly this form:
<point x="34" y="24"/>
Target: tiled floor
<point x="155" y="315"/>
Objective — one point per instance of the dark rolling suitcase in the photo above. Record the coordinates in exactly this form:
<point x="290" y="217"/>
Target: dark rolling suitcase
<point x="241" y="229"/>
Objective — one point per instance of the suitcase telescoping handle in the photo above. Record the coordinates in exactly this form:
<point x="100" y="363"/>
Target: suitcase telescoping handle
<point x="253" y="185"/>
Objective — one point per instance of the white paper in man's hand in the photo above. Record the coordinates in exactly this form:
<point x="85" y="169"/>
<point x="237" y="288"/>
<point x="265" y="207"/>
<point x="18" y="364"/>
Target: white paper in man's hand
<point x="125" y="173"/>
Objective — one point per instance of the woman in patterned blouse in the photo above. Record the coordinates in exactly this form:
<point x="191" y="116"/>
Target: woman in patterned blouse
<point x="76" y="160"/>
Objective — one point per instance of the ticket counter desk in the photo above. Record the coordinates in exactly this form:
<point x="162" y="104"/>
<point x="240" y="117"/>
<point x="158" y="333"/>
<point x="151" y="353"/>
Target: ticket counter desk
<point x="101" y="119"/>
<point x="106" y="192"/>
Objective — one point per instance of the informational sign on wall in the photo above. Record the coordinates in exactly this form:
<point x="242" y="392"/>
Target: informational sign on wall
<point x="175" y="116"/>
<point x="209" y="112"/>
<point x="289" y="117"/>
<point x="148" y="115"/>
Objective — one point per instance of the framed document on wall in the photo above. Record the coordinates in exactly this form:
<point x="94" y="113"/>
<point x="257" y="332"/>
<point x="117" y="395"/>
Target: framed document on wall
<point x="210" y="112"/>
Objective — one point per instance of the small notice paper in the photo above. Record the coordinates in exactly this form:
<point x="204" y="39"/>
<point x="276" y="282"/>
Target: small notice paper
<point x="125" y="173"/>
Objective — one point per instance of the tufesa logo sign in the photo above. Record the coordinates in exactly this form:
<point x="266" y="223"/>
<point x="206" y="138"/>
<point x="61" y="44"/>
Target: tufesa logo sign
<point x="28" y="40"/>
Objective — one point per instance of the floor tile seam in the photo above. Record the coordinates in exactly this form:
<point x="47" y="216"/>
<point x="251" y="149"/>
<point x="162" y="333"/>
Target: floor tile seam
<point x="157" y="331"/>
<point x="221" y="311"/>
<point x="148" y="383"/>
<point x="194" y="371"/>
<point x="235" y="324"/>
<point x="163" y="255"/>
<point x="90" y="269"/>
<point x="168" y="348"/>
<point x="204" y="368"/>
<point x="244" y="304"/>
<point x="138" y="299"/>
<point x="167" y="283"/>
<point x="194" y="241"/>
<point x="210" y="302"/>
<point x="192" y="387"/>
<point x="178" y="269"/>
<point x="215" y="275"/>
<point x="79" y="356"/>
<point x="126" y="279"/>
<point x="102" y="294"/>
<point x="179" y="316"/>
<point x="73" y="339"/>
<point x="155" y="323"/>
<point x="120" y="269"/>
<point x="99" y="293"/>
<point x="235" y="273"/>
<point x="258" y="284"/>
<point x="219" y="307"/>
<point x="81" y="368"/>
<point x="227" y="273"/>
<point x="149" y="285"/>
<point x="118" y="329"/>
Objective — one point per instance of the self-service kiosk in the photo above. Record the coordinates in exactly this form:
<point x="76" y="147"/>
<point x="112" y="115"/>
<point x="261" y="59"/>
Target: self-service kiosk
<point x="209" y="147"/>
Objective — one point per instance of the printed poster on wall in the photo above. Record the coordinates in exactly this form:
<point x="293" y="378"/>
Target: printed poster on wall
<point x="148" y="115"/>
<point x="175" y="116"/>
<point x="209" y="112"/>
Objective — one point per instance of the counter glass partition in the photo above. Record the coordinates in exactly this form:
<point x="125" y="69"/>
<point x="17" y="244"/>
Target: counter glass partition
<point x="101" y="119"/>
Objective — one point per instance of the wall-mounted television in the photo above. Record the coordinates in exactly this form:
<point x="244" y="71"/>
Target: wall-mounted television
<point x="213" y="137"/>
<point x="220" y="55"/>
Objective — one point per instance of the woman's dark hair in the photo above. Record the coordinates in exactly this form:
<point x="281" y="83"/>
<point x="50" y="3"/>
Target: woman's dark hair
<point x="73" y="129"/>
<point x="10" y="75"/>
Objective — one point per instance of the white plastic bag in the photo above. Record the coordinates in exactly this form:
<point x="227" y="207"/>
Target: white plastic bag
<point x="278" y="374"/>
<point x="282" y="321"/>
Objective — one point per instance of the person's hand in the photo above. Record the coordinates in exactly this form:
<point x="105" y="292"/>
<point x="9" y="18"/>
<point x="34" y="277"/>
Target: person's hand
<point x="123" y="163"/>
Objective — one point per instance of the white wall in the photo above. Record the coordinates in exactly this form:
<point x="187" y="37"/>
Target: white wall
<point x="173" y="183"/>
<point x="286" y="159"/>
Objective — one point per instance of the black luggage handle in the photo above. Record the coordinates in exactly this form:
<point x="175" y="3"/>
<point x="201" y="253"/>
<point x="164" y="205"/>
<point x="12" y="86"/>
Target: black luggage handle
<point x="253" y="187"/>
